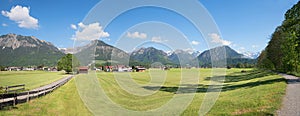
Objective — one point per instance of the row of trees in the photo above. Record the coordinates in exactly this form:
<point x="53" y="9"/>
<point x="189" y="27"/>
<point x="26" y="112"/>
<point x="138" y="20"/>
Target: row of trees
<point x="283" y="51"/>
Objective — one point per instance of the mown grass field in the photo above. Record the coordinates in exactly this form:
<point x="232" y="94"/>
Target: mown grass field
<point x="253" y="92"/>
<point x="64" y="101"/>
<point x="31" y="79"/>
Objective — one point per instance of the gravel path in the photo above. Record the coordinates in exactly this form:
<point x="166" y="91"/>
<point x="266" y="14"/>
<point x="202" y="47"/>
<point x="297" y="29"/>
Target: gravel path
<point x="291" y="101"/>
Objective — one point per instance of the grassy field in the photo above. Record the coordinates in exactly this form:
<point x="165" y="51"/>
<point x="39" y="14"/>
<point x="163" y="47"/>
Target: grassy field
<point x="31" y="79"/>
<point x="253" y="92"/>
<point x="62" y="102"/>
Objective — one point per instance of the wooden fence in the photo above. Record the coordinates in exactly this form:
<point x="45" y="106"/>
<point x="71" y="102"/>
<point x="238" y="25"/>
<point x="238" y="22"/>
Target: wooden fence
<point x="12" y="97"/>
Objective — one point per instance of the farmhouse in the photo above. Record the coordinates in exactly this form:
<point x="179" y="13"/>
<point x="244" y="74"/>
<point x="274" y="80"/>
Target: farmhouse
<point x="140" y="69"/>
<point x="13" y="69"/>
<point x="83" y="69"/>
<point x="109" y="68"/>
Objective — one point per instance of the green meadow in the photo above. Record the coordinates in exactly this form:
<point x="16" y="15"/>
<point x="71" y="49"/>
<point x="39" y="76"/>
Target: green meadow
<point x="253" y="92"/>
<point x="31" y="79"/>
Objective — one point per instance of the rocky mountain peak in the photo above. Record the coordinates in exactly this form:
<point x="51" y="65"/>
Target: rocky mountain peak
<point x="15" y="41"/>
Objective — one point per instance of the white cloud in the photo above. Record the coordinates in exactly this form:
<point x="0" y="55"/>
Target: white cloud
<point x="189" y="50"/>
<point x="21" y="16"/>
<point x="157" y="39"/>
<point x="217" y="39"/>
<point x="254" y="46"/>
<point x="106" y="39"/>
<point x="137" y="35"/>
<point x="4" y="25"/>
<point x="241" y="50"/>
<point x="195" y="43"/>
<point x="73" y="26"/>
<point x="234" y="45"/>
<point x="90" y="32"/>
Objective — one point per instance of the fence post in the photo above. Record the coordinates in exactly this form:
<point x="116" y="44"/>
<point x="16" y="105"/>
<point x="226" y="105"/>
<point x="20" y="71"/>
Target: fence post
<point x="27" y="96"/>
<point x="44" y="92"/>
<point x="2" y="101"/>
<point x="6" y="89"/>
<point x="14" y="101"/>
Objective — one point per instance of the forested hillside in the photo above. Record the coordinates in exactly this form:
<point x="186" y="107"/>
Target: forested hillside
<point x="283" y="51"/>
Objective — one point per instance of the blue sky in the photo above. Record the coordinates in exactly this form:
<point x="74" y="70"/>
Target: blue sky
<point x="245" y="25"/>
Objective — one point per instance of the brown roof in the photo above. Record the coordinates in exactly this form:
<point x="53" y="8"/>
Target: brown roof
<point x="83" y="67"/>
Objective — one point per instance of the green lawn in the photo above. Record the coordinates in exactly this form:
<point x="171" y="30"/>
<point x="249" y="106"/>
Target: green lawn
<point x="31" y="79"/>
<point x="251" y="93"/>
<point x="62" y="102"/>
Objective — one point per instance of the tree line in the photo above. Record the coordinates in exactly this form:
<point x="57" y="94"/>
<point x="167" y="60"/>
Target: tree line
<point x="282" y="53"/>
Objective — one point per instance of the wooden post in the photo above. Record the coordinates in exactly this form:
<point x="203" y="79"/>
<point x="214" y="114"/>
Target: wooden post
<point x="14" y="101"/>
<point x="27" y="96"/>
<point x="6" y="89"/>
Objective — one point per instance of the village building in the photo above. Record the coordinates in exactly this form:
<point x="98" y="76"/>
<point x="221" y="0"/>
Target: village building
<point x="83" y="69"/>
<point x="140" y="69"/>
<point x="13" y="69"/>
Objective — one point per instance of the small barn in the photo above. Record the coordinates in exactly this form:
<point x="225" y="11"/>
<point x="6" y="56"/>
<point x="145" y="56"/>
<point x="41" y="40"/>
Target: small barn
<point x="83" y="69"/>
<point x="140" y="69"/>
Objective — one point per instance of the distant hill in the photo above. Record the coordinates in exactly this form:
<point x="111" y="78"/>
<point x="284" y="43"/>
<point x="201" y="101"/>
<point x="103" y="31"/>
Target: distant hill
<point x="183" y="58"/>
<point x="18" y="50"/>
<point x="251" y="55"/>
<point x="232" y="57"/>
<point x="100" y="51"/>
<point x="149" y="55"/>
<point x="219" y="51"/>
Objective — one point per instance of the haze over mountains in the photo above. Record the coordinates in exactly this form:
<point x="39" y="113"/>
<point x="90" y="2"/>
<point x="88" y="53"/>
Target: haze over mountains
<point x="18" y="50"/>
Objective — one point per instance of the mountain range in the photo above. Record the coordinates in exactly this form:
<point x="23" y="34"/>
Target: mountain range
<point x="17" y="50"/>
<point x="21" y="50"/>
<point x="251" y="55"/>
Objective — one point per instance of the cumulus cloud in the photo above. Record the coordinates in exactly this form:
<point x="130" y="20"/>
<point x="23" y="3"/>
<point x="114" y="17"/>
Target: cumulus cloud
<point x="4" y="25"/>
<point x="195" y="43"/>
<point x="73" y="26"/>
<point x="217" y="39"/>
<point x="90" y="32"/>
<point x="137" y="35"/>
<point x="21" y="16"/>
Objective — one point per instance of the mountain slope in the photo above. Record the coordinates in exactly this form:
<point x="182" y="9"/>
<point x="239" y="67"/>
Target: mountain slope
<point x="182" y="57"/>
<point x="219" y="52"/>
<point x="17" y="50"/>
<point x="149" y="56"/>
<point x="101" y="51"/>
<point x="222" y="55"/>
